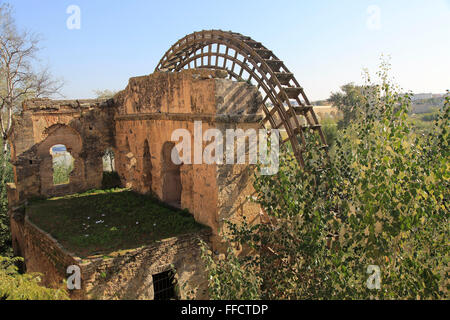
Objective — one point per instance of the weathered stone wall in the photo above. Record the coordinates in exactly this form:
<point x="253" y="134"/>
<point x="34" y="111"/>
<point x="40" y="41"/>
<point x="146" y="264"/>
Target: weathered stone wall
<point x="129" y="274"/>
<point x="41" y="252"/>
<point x="151" y="108"/>
<point x="138" y="125"/>
<point x="123" y="275"/>
<point x="85" y="127"/>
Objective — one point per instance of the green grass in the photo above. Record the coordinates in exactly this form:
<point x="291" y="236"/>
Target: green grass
<point x="104" y="221"/>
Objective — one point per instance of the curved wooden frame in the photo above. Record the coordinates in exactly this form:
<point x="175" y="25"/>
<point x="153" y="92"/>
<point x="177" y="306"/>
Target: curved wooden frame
<point x="273" y="79"/>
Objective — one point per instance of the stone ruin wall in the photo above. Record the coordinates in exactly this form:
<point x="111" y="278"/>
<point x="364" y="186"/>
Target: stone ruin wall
<point x="126" y="274"/>
<point x="136" y="124"/>
<point x="152" y="107"/>
<point x="83" y="126"/>
<point x="41" y="252"/>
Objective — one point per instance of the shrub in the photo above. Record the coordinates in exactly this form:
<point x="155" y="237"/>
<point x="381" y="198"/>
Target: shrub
<point x="61" y="173"/>
<point x="16" y="286"/>
<point x="382" y="200"/>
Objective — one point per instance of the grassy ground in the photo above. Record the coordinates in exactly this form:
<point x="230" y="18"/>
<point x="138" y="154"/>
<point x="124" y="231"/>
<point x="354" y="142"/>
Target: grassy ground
<point x="104" y="221"/>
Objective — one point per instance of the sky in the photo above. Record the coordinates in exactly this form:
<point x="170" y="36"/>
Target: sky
<point x="325" y="43"/>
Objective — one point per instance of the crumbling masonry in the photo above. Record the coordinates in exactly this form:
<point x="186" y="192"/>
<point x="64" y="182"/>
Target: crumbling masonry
<point x="192" y="82"/>
<point x="137" y="124"/>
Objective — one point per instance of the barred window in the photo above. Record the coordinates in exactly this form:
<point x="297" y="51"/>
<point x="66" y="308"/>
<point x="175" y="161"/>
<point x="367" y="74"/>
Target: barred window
<point x="164" y="286"/>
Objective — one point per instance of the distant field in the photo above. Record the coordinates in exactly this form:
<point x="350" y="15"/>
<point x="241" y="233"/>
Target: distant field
<point x="427" y="105"/>
<point x="420" y="103"/>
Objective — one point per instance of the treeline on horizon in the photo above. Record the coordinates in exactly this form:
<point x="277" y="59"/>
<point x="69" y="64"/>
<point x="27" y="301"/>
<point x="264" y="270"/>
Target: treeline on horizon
<point x="418" y="106"/>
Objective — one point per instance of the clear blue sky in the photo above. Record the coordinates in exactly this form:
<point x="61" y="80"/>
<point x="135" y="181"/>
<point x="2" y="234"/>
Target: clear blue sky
<point x="325" y="43"/>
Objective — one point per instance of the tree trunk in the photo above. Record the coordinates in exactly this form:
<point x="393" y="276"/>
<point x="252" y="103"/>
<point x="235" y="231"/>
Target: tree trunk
<point x="4" y="160"/>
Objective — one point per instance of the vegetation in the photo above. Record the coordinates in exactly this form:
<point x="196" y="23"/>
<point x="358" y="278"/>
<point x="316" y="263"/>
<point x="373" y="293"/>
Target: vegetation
<point x="421" y="106"/>
<point x="350" y="102"/>
<point x="330" y="130"/>
<point x="17" y="286"/>
<point x="108" y="160"/>
<point x="5" y="234"/>
<point x="111" y="178"/>
<point x="104" y="94"/>
<point x="18" y="79"/>
<point x="61" y="173"/>
<point x="102" y="221"/>
<point x="381" y="201"/>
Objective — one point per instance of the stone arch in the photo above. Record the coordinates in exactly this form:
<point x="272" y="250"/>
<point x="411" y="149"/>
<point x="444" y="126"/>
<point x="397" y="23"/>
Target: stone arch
<point x="71" y="139"/>
<point x="171" y="177"/>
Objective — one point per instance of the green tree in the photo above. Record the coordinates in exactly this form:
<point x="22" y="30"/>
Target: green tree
<point x="5" y="235"/>
<point x="16" y="286"/>
<point x="381" y="200"/>
<point x="330" y="130"/>
<point x="349" y="102"/>
<point x="61" y="173"/>
<point x="353" y="102"/>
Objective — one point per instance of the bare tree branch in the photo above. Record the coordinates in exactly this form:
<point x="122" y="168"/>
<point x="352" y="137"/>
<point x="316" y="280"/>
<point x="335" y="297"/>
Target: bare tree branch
<point x="19" y="80"/>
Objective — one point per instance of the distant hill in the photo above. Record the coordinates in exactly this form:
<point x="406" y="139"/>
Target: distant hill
<point x="427" y="102"/>
<point x="320" y="103"/>
<point x="425" y="96"/>
<point x="327" y="112"/>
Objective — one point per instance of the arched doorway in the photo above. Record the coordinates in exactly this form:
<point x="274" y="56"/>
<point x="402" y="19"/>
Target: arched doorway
<point x="61" y="167"/>
<point x="63" y="164"/>
<point x="171" y="177"/>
